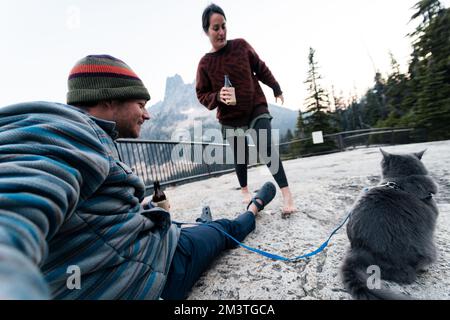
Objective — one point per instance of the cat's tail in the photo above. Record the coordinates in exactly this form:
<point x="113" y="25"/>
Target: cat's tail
<point x="355" y="276"/>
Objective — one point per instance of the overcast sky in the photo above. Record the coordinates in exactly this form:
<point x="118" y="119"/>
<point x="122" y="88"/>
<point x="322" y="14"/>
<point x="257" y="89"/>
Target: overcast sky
<point x="42" y="40"/>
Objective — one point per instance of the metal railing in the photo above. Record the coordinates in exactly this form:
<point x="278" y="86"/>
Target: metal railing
<point x="170" y="162"/>
<point x="351" y="139"/>
<point x="180" y="162"/>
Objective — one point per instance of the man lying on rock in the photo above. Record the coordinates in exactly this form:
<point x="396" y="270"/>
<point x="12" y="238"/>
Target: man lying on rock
<point x="72" y="225"/>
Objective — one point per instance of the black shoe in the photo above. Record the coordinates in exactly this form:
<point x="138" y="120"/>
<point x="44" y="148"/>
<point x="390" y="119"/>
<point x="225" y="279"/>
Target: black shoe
<point x="265" y="194"/>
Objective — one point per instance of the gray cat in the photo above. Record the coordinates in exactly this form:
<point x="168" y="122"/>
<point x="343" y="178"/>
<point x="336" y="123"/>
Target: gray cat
<point x="392" y="226"/>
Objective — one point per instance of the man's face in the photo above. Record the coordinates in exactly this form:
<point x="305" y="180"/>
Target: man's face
<point x="129" y="116"/>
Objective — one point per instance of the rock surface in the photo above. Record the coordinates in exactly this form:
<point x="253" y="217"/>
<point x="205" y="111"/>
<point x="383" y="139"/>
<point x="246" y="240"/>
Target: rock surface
<point x="324" y="188"/>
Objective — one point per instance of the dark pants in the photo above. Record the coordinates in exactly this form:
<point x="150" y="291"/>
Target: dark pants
<point x="241" y="167"/>
<point x="196" y="250"/>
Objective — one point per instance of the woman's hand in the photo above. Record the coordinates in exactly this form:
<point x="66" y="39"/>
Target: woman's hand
<point x="225" y="95"/>
<point x="281" y="98"/>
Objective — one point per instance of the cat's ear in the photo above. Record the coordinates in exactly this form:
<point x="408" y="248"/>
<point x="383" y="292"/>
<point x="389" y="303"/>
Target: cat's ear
<point x="420" y="154"/>
<point x="385" y="154"/>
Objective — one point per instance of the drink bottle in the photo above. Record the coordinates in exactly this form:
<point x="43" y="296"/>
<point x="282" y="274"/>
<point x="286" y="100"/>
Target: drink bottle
<point x="227" y="84"/>
<point x="159" y="197"/>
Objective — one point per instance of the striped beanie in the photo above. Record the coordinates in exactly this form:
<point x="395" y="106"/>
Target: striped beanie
<point x="101" y="77"/>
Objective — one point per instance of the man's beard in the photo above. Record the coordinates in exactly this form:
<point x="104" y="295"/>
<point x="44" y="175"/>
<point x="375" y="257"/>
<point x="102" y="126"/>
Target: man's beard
<point x="127" y="132"/>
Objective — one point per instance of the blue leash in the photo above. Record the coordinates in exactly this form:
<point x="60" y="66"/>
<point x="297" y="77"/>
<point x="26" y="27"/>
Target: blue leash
<point x="268" y="254"/>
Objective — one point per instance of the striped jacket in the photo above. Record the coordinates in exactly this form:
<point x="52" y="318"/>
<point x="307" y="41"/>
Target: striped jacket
<point x="69" y="206"/>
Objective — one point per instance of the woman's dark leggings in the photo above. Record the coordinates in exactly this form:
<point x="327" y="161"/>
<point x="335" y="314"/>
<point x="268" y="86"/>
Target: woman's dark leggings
<point x="262" y="137"/>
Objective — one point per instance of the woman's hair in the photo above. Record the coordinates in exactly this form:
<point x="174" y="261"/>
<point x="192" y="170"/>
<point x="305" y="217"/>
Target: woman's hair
<point x="208" y="12"/>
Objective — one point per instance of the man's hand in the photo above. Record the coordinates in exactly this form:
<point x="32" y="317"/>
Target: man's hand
<point x="147" y="203"/>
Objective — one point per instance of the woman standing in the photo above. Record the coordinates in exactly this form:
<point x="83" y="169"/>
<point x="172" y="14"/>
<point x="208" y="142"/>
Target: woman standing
<point x="243" y="106"/>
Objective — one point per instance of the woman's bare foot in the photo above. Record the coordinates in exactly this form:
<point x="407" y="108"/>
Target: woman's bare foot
<point x="246" y="194"/>
<point x="288" y="203"/>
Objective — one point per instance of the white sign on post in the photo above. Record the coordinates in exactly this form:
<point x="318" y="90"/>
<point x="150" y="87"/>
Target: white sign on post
<point x="317" y="137"/>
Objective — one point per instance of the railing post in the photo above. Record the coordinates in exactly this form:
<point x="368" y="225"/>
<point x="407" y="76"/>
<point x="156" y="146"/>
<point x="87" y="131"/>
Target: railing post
<point x="341" y="142"/>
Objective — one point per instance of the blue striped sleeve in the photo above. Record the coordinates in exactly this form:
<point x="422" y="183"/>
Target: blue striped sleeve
<point x="50" y="159"/>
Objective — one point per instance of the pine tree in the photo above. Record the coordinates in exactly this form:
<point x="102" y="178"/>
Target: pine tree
<point x="396" y="90"/>
<point x="409" y="103"/>
<point x="420" y="98"/>
<point x="300" y="132"/>
<point x="289" y="136"/>
<point x="317" y="103"/>
<point x="285" y="149"/>
<point x="339" y="111"/>
<point x="375" y="106"/>
<point x="296" y="148"/>
<point x="427" y="9"/>
<point x="432" y="48"/>
<point x="317" y="108"/>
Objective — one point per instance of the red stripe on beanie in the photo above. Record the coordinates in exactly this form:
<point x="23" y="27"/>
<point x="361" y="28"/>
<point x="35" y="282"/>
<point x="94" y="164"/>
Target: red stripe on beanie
<point x="94" y="68"/>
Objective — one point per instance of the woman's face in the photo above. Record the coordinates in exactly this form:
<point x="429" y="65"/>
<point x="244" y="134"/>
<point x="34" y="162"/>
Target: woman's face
<point x="217" y="31"/>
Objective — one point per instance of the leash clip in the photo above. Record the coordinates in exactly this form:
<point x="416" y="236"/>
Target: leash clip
<point x="392" y="185"/>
